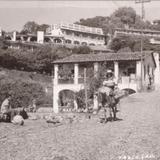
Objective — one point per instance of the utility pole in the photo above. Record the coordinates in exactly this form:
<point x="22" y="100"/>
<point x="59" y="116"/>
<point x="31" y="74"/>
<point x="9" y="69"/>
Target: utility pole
<point x="85" y="87"/>
<point x="142" y="17"/>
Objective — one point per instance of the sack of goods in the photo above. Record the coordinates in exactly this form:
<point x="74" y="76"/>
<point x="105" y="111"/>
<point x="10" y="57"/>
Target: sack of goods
<point x="109" y="83"/>
<point x="18" y="120"/>
<point x="105" y="89"/>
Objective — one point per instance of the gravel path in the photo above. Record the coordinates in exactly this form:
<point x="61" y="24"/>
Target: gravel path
<point x="136" y="136"/>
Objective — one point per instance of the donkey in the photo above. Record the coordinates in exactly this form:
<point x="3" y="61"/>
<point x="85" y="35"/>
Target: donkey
<point x="107" y="102"/>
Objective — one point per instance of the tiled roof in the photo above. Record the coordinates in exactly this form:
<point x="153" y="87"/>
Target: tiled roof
<point x="138" y="30"/>
<point x="78" y="58"/>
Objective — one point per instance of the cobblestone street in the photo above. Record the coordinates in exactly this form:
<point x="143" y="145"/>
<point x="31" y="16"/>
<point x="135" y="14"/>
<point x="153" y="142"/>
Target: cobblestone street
<point x="136" y="136"/>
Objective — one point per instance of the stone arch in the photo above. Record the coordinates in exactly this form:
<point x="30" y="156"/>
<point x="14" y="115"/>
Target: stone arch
<point x="128" y="91"/>
<point x="76" y="42"/>
<point x="47" y="39"/>
<point x="58" y="88"/>
<point x="91" y="44"/>
<point x="18" y="38"/>
<point x="57" y="40"/>
<point x="68" y="41"/>
<point x="25" y="38"/>
<point x="66" y="99"/>
<point x="33" y="39"/>
<point x="8" y="38"/>
<point x="84" y="43"/>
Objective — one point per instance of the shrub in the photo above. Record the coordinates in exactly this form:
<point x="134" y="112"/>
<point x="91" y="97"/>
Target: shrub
<point x="23" y="92"/>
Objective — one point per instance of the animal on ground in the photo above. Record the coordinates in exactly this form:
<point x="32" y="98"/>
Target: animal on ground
<point x="108" y="103"/>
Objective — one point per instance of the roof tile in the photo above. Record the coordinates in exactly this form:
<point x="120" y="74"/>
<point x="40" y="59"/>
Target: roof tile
<point x="101" y="57"/>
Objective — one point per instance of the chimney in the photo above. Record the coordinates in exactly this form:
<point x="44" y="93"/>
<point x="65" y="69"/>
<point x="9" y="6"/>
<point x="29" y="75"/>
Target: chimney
<point x="14" y="36"/>
<point x="40" y="37"/>
<point x="0" y="32"/>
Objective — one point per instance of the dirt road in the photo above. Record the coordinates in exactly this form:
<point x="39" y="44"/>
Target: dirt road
<point x="136" y="136"/>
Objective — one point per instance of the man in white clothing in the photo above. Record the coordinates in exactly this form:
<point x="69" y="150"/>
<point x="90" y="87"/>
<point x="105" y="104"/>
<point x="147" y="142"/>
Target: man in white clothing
<point x="5" y="107"/>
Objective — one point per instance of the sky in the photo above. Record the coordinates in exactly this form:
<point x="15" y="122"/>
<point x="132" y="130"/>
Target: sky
<point x="14" y="14"/>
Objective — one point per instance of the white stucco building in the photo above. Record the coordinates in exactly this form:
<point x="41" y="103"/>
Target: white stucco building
<point x="77" y="34"/>
<point x="130" y="70"/>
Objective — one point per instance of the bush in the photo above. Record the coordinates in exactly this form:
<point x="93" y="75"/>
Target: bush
<point x="23" y="92"/>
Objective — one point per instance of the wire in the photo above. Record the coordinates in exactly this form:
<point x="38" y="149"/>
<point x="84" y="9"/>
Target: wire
<point x="114" y="2"/>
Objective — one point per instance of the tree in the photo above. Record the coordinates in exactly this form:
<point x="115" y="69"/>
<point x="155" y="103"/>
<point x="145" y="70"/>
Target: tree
<point x="98" y="21"/>
<point x="92" y="22"/>
<point x="122" y="42"/>
<point x="33" y="27"/>
<point x="93" y="84"/>
<point x="23" y="91"/>
<point x="124" y="16"/>
<point x="129" y="44"/>
<point x="45" y="55"/>
<point x="81" y="50"/>
<point x="30" y="27"/>
<point x="42" y="27"/>
<point x="156" y="25"/>
<point x="2" y="43"/>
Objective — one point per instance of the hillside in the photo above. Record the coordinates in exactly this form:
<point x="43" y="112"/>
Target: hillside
<point x="26" y="76"/>
<point x="10" y="79"/>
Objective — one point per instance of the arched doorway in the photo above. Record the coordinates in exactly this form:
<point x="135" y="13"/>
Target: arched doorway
<point x="66" y="100"/>
<point x="68" y="41"/>
<point x="46" y="39"/>
<point x="84" y="43"/>
<point x="8" y="38"/>
<point x="24" y="38"/>
<point x="18" y="38"/>
<point x="57" y="40"/>
<point x="128" y="91"/>
<point x="76" y="42"/>
<point x="91" y="44"/>
<point x="33" y="39"/>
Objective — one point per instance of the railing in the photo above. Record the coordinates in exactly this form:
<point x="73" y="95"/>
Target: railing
<point x="76" y="27"/>
<point x="65" y="81"/>
<point x="71" y="80"/>
<point x="138" y="33"/>
<point x="127" y="79"/>
<point x="121" y="80"/>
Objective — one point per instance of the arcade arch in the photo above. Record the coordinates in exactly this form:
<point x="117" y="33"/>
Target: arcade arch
<point x="46" y="39"/>
<point x="57" y="40"/>
<point x="76" y="42"/>
<point x="68" y="41"/>
<point x="33" y="39"/>
<point x="91" y="44"/>
<point x="84" y="43"/>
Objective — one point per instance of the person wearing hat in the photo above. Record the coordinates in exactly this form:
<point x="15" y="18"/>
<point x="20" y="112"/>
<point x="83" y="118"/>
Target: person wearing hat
<point x="6" y="104"/>
<point x="6" y="107"/>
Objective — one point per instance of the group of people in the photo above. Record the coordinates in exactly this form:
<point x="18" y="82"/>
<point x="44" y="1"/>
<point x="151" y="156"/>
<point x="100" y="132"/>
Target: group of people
<point x="14" y="115"/>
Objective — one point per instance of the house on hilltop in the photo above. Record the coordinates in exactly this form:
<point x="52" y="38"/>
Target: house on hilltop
<point x="70" y="35"/>
<point x="77" y="34"/>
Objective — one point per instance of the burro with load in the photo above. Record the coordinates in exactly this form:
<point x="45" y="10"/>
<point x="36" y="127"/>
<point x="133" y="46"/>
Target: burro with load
<point x="108" y="98"/>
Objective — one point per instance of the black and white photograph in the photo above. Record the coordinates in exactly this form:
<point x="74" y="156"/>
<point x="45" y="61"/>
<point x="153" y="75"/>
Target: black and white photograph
<point x="79" y="80"/>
